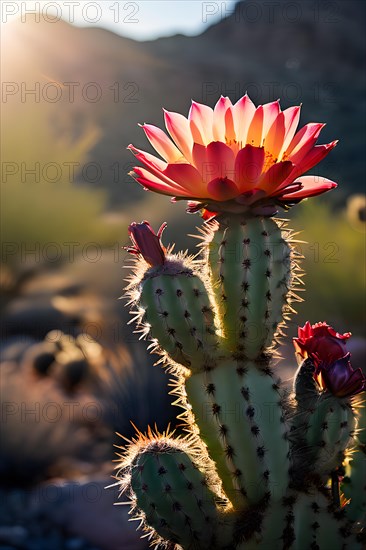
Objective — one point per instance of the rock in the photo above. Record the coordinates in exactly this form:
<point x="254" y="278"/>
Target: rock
<point x="86" y="511"/>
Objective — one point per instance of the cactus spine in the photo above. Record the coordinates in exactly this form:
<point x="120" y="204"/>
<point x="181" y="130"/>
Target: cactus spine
<point x="240" y="478"/>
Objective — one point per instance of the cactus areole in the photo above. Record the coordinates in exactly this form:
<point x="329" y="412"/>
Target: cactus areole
<point x="258" y="467"/>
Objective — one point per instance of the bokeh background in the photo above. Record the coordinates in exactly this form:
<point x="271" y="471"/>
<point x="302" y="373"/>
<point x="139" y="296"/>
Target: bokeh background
<point x="75" y="85"/>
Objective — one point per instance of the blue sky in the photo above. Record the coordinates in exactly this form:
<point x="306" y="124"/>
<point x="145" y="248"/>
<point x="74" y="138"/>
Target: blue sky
<point x="138" y="19"/>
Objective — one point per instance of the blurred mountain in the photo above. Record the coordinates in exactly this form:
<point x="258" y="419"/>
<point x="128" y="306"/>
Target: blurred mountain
<point x="303" y="51"/>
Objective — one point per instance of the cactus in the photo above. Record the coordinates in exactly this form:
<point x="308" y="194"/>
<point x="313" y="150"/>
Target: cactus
<point x="250" y="449"/>
<point x="258" y="467"/>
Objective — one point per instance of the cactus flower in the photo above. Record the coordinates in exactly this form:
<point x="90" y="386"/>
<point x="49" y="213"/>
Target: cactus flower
<point x="234" y="158"/>
<point x="321" y="343"/>
<point x="327" y="349"/>
<point x="341" y="379"/>
<point x="146" y="243"/>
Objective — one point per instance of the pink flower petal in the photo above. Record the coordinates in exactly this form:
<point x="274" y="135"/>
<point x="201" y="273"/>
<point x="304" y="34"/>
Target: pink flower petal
<point x="201" y="118"/>
<point x="219" y="127"/>
<point x="273" y="141"/>
<point x="158" y="168"/>
<point x="270" y="113"/>
<point x="199" y="155"/>
<point x="178" y="127"/>
<point x="273" y="178"/>
<point x="312" y="185"/>
<point x="153" y="183"/>
<point x="243" y="112"/>
<point x="230" y="135"/>
<point x="222" y="189"/>
<point x="303" y="141"/>
<point x="148" y="159"/>
<point x="315" y="155"/>
<point x="255" y="132"/>
<point x="220" y="162"/>
<point x="292" y="117"/>
<point x="188" y="177"/>
<point x="248" y="167"/>
<point x="196" y="134"/>
<point x="289" y="188"/>
<point x="161" y="143"/>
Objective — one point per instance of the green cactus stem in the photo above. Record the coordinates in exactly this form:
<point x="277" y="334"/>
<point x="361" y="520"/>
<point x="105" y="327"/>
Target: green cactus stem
<point x="175" y="308"/>
<point x="239" y="412"/>
<point x="316" y="525"/>
<point x="252" y="271"/>
<point x="323" y="427"/>
<point x="178" y="499"/>
<point x="303" y="521"/>
<point x="330" y="432"/>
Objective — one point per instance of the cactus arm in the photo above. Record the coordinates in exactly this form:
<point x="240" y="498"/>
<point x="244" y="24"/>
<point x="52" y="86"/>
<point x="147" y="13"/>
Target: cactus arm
<point x="241" y="423"/>
<point x="178" y="503"/>
<point x="178" y="314"/>
<point x="323" y="427"/>
<point x="330" y="432"/>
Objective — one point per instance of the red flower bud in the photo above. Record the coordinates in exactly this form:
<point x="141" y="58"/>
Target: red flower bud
<point x="328" y="351"/>
<point x="321" y="343"/>
<point x="146" y="243"/>
<point x="340" y="378"/>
